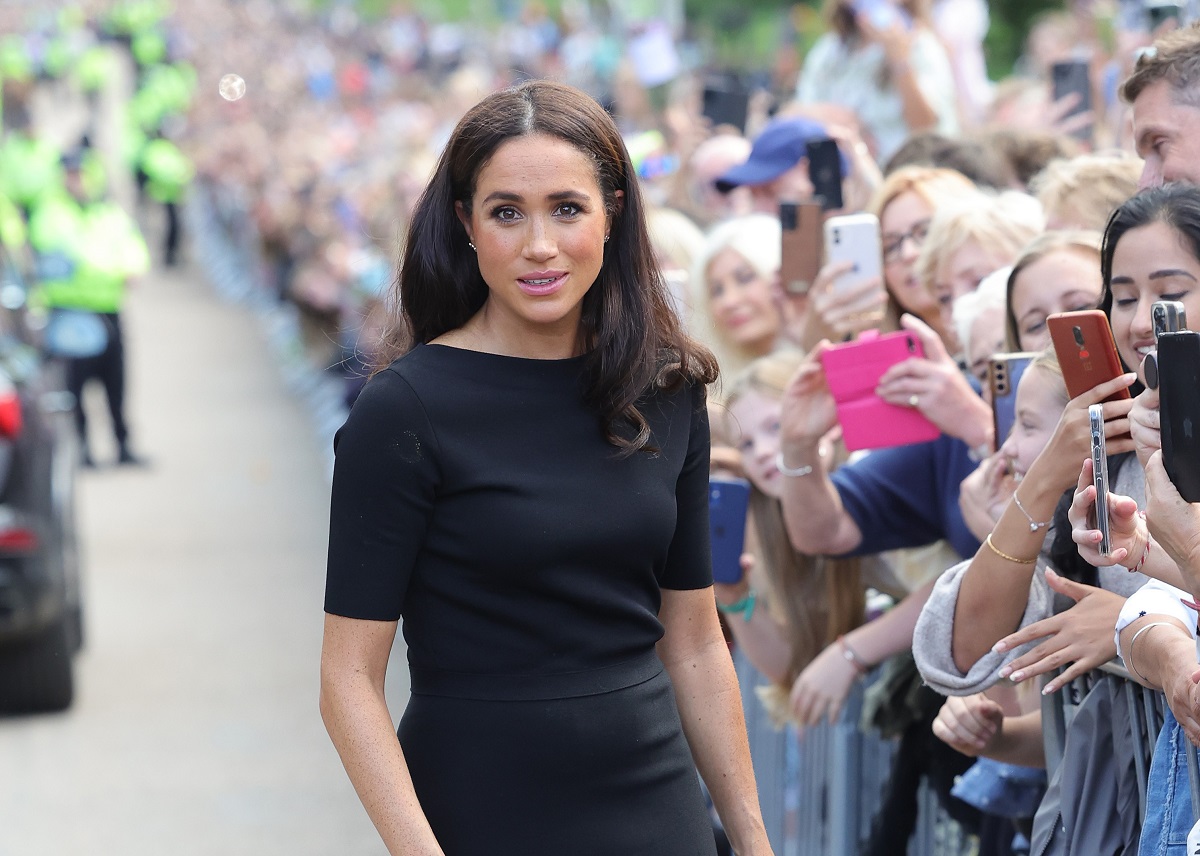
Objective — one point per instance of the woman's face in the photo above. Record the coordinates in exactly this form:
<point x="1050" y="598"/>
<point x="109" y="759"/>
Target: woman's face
<point x="1150" y="263"/>
<point x="742" y="303"/>
<point x="756" y="420"/>
<point x="1041" y="398"/>
<point x="904" y="223"/>
<point x="961" y="274"/>
<point x="538" y="223"/>
<point x="987" y="338"/>
<point x="1065" y="280"/>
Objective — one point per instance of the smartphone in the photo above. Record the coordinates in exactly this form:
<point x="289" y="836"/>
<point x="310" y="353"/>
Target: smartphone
<point x="1086" y="351"/>
<point x="1179" y="409"/>
<point x="728" y="501"/>
<point x="852" y="371"/>
<point x="725" y="103"/>
<point x="1100" y="476"/>
<point x="825" y="172"/>
<point x="1004" y="374"/>
<point x="800" y="250"/>
<point x="1168" y="316"/>
<point x="854" y="238"/>
<point x="1074" y="76"/>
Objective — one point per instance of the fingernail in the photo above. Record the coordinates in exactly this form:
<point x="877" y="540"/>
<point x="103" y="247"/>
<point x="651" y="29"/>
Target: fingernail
<point x="1000" y="646"/>
<point x="1017" y="677"/>
<point x="1004" y="672"/>
<point x="1049" y="688"/>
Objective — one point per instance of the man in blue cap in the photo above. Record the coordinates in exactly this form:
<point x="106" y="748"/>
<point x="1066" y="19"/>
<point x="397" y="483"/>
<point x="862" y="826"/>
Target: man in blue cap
<point x="777" y="169"/>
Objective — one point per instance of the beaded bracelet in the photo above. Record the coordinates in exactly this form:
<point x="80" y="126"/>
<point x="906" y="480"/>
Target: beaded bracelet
<point x="745" y="606"/>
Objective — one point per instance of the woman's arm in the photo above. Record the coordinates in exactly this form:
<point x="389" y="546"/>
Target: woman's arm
<point x="1163" y="657"/>
<point x="354" y="655"/>
<point x="816" y="520"/>
<point x="975" y="725"/>
<point x="710" y="707"/>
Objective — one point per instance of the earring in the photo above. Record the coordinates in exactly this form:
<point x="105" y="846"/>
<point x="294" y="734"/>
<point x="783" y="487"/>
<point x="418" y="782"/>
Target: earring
<point x="472" y="246"/>
<point x="606" y="239"/>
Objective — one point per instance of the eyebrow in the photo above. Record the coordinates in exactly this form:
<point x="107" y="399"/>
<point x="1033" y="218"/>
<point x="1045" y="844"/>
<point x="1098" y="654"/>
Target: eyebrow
<point x="559" y="196"/>
<point x="1169" y="272"/>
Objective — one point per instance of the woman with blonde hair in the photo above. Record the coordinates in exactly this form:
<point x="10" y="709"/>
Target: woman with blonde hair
<point x="1083" y="192"/>
<point x="970" y="239"/>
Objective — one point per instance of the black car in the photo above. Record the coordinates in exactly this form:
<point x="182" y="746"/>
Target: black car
<point x="40" y="600"/>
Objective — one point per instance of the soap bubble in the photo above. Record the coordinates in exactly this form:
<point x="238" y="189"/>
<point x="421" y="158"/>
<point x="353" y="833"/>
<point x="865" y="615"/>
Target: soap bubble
<point x="232" y="87"/>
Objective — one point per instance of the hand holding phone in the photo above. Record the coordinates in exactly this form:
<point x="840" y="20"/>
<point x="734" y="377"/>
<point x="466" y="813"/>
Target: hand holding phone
<point x="728" y="502"/>
<point x="1004" y="375"/>
<point x="1100" y="477"/>
<point x="1086" y="351"/>
<point x="854" y="239"/>
<point x="1074" y="78"/>
<point x="1178" y="361"/>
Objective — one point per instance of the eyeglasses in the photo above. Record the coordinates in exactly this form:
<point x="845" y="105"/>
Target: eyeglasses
<point x="917" y="234"/>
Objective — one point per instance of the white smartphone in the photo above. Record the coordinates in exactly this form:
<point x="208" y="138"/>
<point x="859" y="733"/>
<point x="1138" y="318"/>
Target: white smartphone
<point x="854" y="238"/>
<point x="1100" y="476"/>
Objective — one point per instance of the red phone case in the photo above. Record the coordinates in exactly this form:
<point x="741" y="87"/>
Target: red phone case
<point x="1086" y="351"/>
<point x="853" y="371"/>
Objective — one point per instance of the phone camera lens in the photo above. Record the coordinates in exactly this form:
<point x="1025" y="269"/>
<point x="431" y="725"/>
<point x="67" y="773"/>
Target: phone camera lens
<point x="1078" y="336"/>
<point x="837" y="236"/>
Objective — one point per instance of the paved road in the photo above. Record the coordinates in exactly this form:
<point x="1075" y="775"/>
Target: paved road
<point x="196" y="728"/>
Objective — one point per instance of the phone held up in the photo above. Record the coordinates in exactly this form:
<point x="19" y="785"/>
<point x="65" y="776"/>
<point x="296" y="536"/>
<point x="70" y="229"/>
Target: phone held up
<point x="1004" y="374"/>
<point x="1086" y="351"/>
<point x="1074" y="77"/>
<point x="854" y="238"/>
<point x="1100" y="476"/>
<point x="852" y="371"/>
<point x="1174" y="370"/>
<point x="825" y="172"/>
<point x="728" y="502"/>
<point x="800" y="250"/>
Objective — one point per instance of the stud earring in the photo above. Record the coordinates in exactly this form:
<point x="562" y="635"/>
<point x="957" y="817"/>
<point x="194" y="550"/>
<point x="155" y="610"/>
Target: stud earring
<point x="606" y="239"/>
<point x="472" y="246"/>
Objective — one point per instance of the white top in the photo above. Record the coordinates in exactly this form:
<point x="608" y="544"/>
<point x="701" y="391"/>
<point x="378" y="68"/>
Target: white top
<point x="834" y="74"/>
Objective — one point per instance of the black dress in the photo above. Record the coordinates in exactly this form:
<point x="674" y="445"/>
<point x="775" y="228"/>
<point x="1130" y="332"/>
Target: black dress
<point x="476" y="497"/>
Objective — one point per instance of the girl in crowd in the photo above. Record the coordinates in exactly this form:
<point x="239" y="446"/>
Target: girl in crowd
<point x="1152" y="252"/>
<point x="527" y="488"/>
<point x="888" y="66"/>
<point x="1003" y="597"/>
<point x="1057" y="272"/>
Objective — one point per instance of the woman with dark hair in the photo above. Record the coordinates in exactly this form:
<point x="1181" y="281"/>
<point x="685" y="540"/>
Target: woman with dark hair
<point x="525" y="484"/>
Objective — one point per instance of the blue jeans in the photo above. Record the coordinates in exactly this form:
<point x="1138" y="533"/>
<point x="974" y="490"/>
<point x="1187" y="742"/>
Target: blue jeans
<point x="1168" y="795"/>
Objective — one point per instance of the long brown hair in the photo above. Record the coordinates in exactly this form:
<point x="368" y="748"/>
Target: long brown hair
<point x="818" y="598"/>
<point x="634" y="340"/>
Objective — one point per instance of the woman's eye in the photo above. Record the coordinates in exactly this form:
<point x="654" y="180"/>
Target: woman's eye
<point x="569" y="209"/>
<point x="1125" y="301"/>
<point x="743" y="445"/>
<point x="1177" y="296"/>
<point x="1035" y="327"/>
<point x="775" y="426"/>
<point x="505" y="214"/>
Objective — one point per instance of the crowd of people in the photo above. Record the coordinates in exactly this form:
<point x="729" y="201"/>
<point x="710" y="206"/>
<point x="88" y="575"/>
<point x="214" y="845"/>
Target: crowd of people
<point x="998" y="203"/>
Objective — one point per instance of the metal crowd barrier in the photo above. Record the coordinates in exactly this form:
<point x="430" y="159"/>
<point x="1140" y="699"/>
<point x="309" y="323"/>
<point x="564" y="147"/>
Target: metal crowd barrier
<point x="1146" y="714"/>
<point x="819" y="792"/>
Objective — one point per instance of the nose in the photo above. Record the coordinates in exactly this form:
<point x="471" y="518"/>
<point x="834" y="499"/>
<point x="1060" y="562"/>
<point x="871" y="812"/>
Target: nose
<point x="910" y="248"/>
<point x="1142" y="325"/>
<point x="539" y="241"/>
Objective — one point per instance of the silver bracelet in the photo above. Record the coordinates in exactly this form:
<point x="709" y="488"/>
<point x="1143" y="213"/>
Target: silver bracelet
<point x="791" y="472"/>
<point x="1034" y="526"/>
<point x="1133" y="641"/>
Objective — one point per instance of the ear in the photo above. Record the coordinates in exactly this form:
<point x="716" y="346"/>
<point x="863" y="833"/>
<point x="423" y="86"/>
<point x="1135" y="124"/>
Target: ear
<point x="461" y="211"/>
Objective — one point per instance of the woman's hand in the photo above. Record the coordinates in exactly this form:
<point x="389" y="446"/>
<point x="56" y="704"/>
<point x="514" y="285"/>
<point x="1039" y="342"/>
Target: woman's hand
<point x="968" y="724"/>
<point x="1127" y="530"/>
<point x="935" y="385"/>
<point x="807" y="410"/>
<point x="821" y="689"/>
<point x="846" y="311"/>
<point x="1144" y="425"/>
<point x="1058" y="463"/>
<point x="1082" y="636"/>
<point x="1173" y="521"/>
<point x="985" y="493"/>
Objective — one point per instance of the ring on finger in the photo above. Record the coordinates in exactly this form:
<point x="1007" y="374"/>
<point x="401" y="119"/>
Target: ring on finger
<point x="914" y="401"/>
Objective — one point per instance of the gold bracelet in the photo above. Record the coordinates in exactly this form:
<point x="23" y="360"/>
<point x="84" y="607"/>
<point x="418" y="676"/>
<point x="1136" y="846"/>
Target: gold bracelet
<point x="1003" y="555"/>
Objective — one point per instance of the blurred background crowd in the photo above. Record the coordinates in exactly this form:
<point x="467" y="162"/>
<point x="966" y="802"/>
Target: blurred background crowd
<point x="990" y="141"/>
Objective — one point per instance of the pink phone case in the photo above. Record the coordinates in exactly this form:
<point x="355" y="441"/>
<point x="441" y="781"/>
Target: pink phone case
<point x="853" y="371"/>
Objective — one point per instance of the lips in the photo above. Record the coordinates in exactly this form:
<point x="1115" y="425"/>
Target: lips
<point x="540" y="283"/>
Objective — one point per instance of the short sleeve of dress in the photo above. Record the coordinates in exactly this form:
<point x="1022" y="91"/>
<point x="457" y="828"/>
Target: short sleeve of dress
<point x="384" y="480"/>
<point x="689" y="562"/>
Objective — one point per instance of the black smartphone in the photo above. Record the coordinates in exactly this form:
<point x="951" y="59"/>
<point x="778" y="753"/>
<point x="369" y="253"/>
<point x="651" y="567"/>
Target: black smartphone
<point x="1004" y="373"/>
<point x="1179" y="409"/>
<point x="801" y="245"/>
<point x="1074" y="76"/>
<point x="1158" y="14"/>
<point x="726" y="103"/>
<point x="728" y="501"/>
<point x="825" y="172"/>
<point x="1100" y="476"/>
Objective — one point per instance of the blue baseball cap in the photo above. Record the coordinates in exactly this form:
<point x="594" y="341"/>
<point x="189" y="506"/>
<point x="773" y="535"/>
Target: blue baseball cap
<point x="779" y="147"/>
